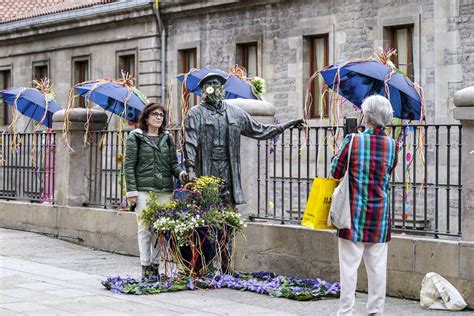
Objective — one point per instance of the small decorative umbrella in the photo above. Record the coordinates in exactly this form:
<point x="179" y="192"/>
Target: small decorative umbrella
<point x="117" y="96"/>
<point x="234" y="87"/>
<point x="36" y="103"/>
<point x="356" y="80"/>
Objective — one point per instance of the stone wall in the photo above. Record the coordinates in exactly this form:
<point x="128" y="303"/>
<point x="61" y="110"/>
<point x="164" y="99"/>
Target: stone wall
<point x="355" y="30"/>
<point x="101" y="38"/>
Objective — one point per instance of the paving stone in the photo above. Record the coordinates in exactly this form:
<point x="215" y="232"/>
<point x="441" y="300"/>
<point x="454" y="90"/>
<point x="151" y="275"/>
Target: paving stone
<point x="46" y="293"/>
<point x="40" y="286"/>
<point x="21" y="306"/>
<point x="7" y="312"/>
<point x="68" y="293"/>
<point x="9" y="299"/>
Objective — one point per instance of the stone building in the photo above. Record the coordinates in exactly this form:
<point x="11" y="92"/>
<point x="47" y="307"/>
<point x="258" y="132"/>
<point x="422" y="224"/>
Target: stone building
<point x="75" y="41"/>
<point x="282" y="41"/>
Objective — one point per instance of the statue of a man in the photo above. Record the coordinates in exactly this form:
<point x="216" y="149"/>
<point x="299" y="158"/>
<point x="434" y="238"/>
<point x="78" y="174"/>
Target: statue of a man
<point x="212" y="136"/>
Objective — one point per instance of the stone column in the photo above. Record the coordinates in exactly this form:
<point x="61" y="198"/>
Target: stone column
<point x="464" y="111"/>
<point x="72" y="164"/>
<point x="263" y="112"/>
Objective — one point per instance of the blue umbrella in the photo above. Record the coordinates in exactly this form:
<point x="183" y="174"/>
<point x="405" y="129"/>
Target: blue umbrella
<point x="358" y="80"/>
<point x="32" y="103"/>
<point x="111" y="96"/>
<point x="234" y="87"/>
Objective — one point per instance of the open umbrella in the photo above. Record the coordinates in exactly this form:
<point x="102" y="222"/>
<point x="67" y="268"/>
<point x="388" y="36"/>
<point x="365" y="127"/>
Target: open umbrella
<point x="32" y="103"/>
<point x="114" y="96"/>
<point x="234" y="87"/>
<point x="355" y="81"/>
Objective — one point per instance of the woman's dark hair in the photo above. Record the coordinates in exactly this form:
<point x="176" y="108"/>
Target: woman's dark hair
<point x="142" y="124"/>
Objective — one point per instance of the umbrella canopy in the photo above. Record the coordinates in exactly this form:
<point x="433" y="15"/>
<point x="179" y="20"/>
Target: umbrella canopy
<point x="357" y="80"/>
<point x="32" y="103"/>
<point x="112" y="95"/>
<point x="234" y="87"/>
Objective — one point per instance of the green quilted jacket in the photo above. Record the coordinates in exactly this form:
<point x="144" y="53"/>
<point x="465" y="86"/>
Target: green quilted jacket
<point x="150" y="167"/>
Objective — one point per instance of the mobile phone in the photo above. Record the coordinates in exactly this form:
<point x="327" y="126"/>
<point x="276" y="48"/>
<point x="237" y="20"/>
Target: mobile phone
<point x="350" y="125"/>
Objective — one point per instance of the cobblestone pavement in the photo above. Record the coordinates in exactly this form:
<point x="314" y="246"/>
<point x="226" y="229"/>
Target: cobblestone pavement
<point x="46" y="276"/>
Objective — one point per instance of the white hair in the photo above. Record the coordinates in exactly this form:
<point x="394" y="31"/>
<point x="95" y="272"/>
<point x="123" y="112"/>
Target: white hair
<point x="377" y="110"/>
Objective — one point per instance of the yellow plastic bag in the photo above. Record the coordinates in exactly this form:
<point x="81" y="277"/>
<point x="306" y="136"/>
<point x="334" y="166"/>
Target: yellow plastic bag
<point x="319" y="203"/>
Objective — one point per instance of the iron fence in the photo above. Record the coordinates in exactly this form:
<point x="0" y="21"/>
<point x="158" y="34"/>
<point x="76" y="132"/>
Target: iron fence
<point x="107" y="188"/>
<point x="425" y="189"/>
<point x="426" y="186"/>
<point x="28" y="166"/>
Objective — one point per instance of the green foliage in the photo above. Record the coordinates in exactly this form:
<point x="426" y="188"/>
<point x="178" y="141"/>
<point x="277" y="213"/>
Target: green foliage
<point x="258" y="84"/>
<point x="203" y="206"/>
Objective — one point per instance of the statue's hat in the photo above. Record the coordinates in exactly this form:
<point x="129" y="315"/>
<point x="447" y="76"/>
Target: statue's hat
<point x="211" y="76"/>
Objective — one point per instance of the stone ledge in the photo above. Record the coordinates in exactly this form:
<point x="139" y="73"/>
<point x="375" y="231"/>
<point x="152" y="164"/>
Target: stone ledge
<point x="80" y="115"/>
<point x="464" y="97"/>
<point x="254" y="107"/>
<point x="464" y="113"/>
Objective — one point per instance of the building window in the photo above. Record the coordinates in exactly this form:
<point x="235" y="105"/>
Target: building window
<point x="318" y="53"/>
<point x="401" y="38"/>
<point x="80" y="73"/>
<point x="187" y="60"/>
<point x="40" y="70"/>
<point x="126" y="64"/>
<point x="247" y="57"/>
<point x="5" y="83"/>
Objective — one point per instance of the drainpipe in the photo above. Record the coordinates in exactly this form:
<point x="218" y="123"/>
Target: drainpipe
<point x="161" y="28"/>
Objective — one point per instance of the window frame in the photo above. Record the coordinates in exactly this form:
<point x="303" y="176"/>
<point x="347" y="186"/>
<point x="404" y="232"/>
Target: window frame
<point x="242" y="55"/>
<point x="40" y="63"/>
<point x="410" y="43"/>
<point x="312" y="67"/>
<point x="122" y="53"/>
<point x="6" y="113"/>
<point x="75" y="60"/>
<point x="183" y="66"/>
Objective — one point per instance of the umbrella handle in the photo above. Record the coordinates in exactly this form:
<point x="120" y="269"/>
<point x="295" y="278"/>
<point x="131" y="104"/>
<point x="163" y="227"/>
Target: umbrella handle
<point x="27" y="125"/>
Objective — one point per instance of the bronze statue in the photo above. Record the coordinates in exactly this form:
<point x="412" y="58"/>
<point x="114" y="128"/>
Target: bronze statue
<point x="212" y="136"/>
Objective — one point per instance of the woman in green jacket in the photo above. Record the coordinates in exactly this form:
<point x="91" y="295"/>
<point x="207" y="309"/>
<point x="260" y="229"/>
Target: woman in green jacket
<point x="150" y="165"/>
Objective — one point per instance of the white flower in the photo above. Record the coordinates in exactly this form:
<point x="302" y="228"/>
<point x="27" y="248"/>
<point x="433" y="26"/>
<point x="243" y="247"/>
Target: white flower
<point x="209" y="90"/>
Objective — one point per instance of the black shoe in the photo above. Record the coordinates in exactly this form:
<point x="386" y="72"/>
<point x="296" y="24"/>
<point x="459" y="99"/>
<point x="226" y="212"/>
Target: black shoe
<point x="155" y="269"/>
<point x="146" y="271"/>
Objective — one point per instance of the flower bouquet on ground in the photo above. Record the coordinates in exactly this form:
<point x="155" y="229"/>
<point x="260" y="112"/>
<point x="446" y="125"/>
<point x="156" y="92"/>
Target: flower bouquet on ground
<point x="195" y="231"/>
<point x="267" y="283"/>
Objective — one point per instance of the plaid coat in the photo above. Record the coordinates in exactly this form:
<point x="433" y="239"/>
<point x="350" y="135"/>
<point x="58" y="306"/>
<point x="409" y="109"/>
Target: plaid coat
<point x="373" y="157"/>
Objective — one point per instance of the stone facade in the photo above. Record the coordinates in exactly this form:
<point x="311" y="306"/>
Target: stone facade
<point x="441" y="41"/>
<point x="442" y="48"/>
<point x="99" y="35"/>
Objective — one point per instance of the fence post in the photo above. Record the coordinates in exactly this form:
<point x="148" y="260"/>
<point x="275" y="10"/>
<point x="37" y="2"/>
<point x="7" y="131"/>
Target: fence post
<point x="264" y="113"/>
<point x="464" y="111"/>
<point x="72" y="163"/>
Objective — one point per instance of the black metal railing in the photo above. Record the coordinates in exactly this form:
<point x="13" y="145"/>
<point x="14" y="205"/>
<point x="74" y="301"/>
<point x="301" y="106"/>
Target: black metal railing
<point x="107" y="187"/>
<point x="426" y="187"/>
<point x="28" y="166"/>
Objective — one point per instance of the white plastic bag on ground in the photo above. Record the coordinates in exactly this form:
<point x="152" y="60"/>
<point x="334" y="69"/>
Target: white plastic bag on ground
<point x="437" y="293"/>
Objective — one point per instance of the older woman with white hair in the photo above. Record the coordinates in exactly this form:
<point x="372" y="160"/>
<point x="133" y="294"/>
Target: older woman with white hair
<point x="372" y="159"/>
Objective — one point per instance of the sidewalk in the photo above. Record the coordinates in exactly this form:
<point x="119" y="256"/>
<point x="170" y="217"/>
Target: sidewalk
<point x="46" y="276"/>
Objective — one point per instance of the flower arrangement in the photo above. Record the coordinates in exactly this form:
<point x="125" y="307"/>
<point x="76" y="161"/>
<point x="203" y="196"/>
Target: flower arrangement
<point x="197" y="229"/>
<point x="259" y="282"/>
<point x="258" y="85"/>
<point x="214" y="92"/>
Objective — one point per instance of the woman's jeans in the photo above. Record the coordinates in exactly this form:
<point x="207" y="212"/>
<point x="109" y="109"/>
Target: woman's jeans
<point x="146" y="238"/>
<point x="375" y="259"/>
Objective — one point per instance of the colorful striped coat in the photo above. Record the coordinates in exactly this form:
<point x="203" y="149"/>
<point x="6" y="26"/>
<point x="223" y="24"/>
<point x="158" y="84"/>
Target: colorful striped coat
<point x="373" y="157"/>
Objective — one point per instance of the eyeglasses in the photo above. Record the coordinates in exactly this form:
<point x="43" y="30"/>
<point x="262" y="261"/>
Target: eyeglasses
<point x="157" y="114"/>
